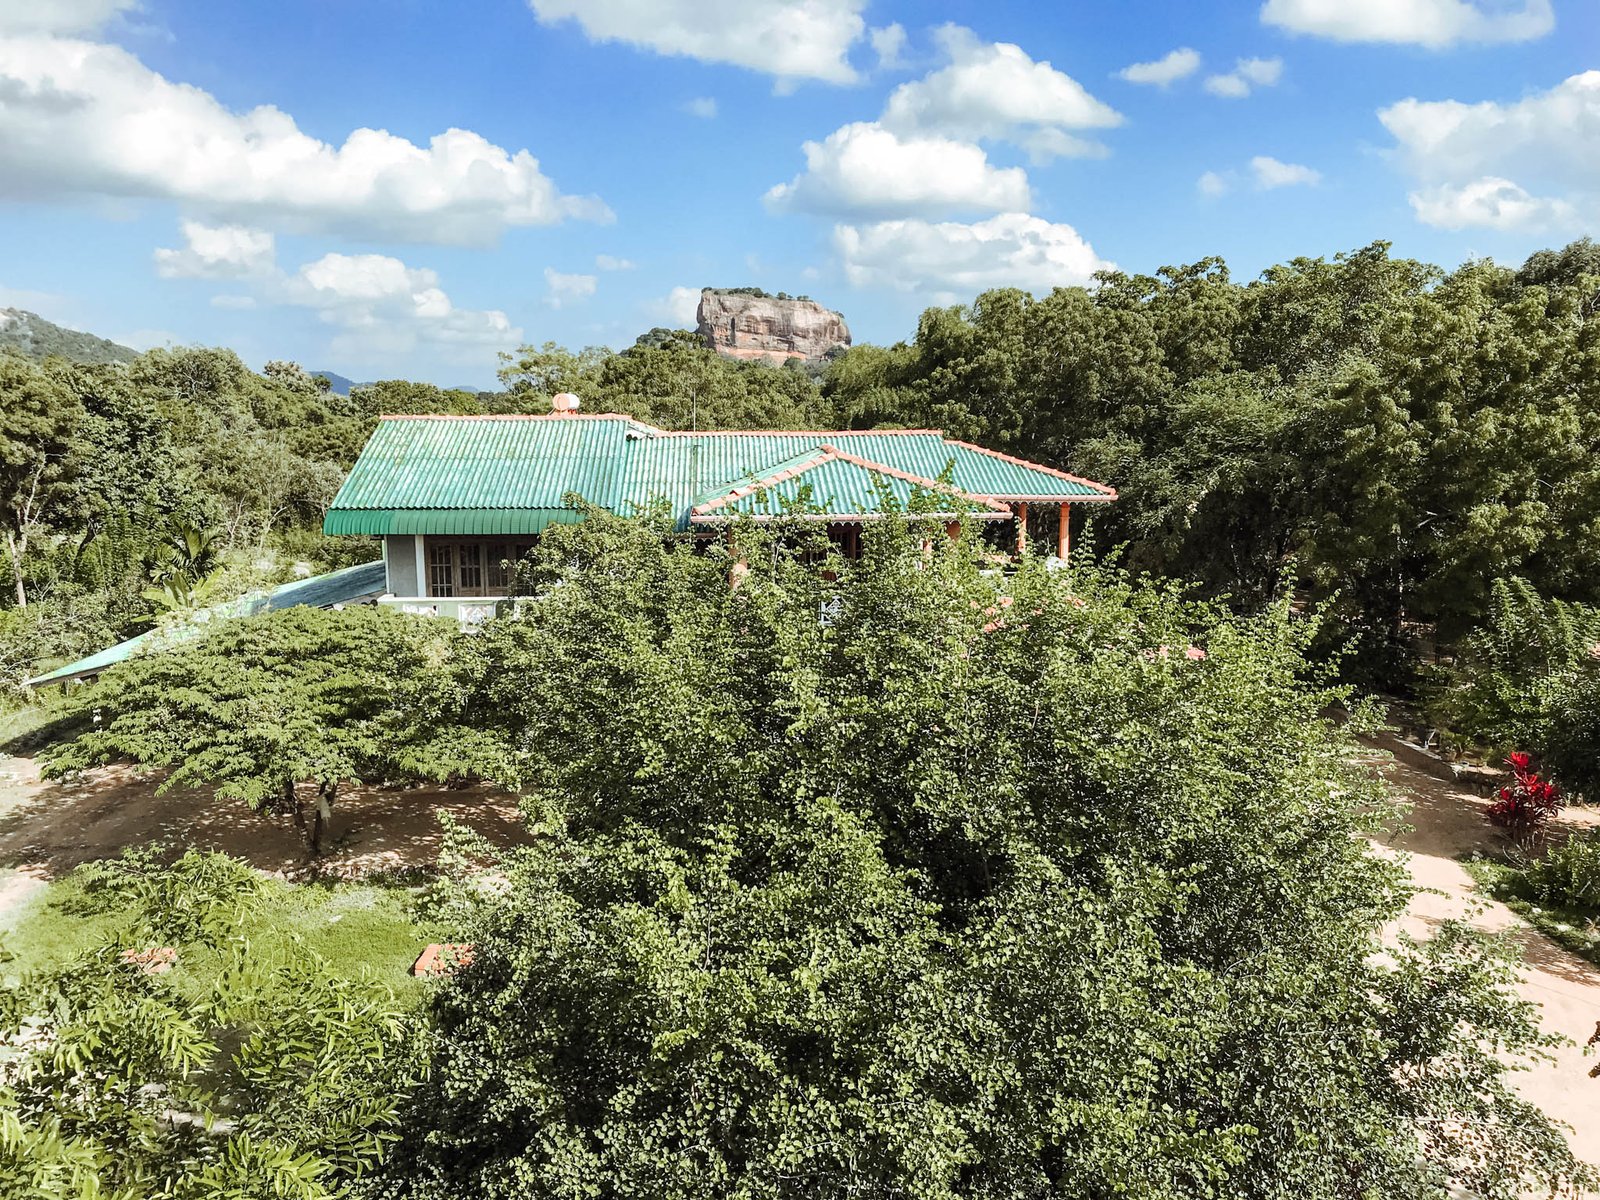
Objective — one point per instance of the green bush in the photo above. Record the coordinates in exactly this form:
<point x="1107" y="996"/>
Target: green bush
<point x="1503" y="690"/>
<point x="252" y="1067"/>
<point x="1572" y="731"/>
<point x="1568" y="872"/>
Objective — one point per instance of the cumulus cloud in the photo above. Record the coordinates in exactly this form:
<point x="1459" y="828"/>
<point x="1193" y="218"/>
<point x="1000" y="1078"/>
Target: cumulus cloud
<point x="218" y="252"/>
<point x="922" y="156"/>
<point x="1270" y="173"/>
<point x="380" y="306"/>
<point x="608" y="262"/>
<point x="789" y="39"/>
<point x="1164" y="71"/>
<point x="704" y="107"/>
<point x="567" y="289"/>
<point x="1490" y="203"/>
<point x="1008" y="250"/>
<point x="81" y="118"/>
<point x="993" y="91"/>
<point x="60" y="16"/>
<point x="1532" y="163"/>
<point x="377" y="304"/>
<point x="1247" y="75"/>
<point x="1435" y="24"/>
<point x="679" y="307"/>
<point x="888" y="43"/>
<point x="1213" y="184"/>
<point x="866" y="169"/>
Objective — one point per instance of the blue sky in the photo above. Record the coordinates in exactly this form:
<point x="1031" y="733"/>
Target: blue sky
<point x="282" y="178"/>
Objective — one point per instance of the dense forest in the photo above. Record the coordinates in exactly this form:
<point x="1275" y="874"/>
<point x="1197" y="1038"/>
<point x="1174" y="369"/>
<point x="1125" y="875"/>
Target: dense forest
<point x="1370" y="433"/>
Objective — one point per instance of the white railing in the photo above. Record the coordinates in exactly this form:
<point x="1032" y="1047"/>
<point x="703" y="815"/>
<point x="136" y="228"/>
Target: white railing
<point x="468" y="610"/>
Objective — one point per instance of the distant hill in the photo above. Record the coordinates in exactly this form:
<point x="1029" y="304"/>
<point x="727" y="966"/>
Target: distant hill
<point x="31" y="335"/>
<point x="342" y="385"/>
<point x="338" y="384"/>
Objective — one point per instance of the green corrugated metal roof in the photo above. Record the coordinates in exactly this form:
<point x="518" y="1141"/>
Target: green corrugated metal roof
<point x="461" y="521"/>
<point x="836" y="485"/>
<point x="418" y="474"/>
<point x="344" y="586"/>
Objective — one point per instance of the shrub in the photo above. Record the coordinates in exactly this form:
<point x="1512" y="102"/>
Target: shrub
<point x="1500" y="692"/>
<point x="1568" y="872"/>
<point x="235" y="1073"/>
<point x="1572" y="740"/>
<point x="1527" y="802"/>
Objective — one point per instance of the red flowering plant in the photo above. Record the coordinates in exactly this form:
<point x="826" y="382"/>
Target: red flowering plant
<point x="1527" y="802"/>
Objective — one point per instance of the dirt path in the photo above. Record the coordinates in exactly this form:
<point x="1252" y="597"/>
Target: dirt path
<point x="47" y="828"/>
<point x="1447" y="825"/>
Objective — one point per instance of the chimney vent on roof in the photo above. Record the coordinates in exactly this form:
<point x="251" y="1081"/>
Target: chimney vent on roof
<point x="564" y="402"/>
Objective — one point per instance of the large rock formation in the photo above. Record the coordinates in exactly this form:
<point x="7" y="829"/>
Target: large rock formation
<point x="758" y="326"/>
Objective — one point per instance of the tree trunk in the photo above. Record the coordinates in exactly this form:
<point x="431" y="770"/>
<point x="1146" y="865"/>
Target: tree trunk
<point x="324" y="815"/>
<point x="292" y="804"/>
<point x="16" y="566"/>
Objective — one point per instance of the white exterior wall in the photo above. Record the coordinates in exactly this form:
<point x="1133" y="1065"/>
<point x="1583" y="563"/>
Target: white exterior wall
<point x="400" y="554"/>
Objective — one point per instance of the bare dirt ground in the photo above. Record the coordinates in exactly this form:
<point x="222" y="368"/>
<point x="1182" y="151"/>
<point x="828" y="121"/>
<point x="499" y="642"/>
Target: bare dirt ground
<point x="1447" y="825"/>
<point x="49" y="827"/>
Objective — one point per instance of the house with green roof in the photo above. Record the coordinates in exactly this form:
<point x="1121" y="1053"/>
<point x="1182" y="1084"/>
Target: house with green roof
<point x="457" y="500"/>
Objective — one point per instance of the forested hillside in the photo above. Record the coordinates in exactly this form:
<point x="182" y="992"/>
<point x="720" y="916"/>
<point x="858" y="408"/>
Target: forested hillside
<point x="1369" y="432"/>
<point x="32" y="336"/>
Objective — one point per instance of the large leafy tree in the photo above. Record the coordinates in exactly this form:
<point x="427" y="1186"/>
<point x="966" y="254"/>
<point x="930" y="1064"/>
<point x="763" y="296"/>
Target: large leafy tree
<point x="267" y="709"/>
<point x="900" y="879"/>
<point x="38" y="419"/>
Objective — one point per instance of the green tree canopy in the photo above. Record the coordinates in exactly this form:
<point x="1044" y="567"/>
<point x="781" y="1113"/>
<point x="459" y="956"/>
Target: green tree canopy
<point x="895" y="878"/>
<point x="263" y="709"/>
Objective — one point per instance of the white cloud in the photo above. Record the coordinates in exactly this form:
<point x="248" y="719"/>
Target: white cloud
<point x="790" y="39"/>
<point x="679" y="307"/>
<point x="994" y="91"/>
<point x="888" y="43"/>
<point x="1531" y="163"/>
<point x="704" y="107"/>
<point x="1168" y="69"/>
<point x="567" y="289"/>
<point x="218" y="252"/>
<point x="1432" y="23"/>
<point x="60" y="16"/>
<point x="80" y="118"/>
<point x="1009" y="250"/>
<point x="1247" y="75"/>
<point x="380" y="306"/>
<point x="1270" y="173"/>
<point x="866" y="169"/>
<point x="1213" y="184"/>
<point x="606" y="262"/>
<point x="1490" y="203"/>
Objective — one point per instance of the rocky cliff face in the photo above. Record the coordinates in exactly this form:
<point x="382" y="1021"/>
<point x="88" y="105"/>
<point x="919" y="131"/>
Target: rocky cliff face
<point x="765" y="328"/>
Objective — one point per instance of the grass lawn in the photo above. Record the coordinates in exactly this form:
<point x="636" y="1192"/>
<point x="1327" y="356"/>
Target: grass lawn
<point x="1576" y="928"/>
<point x="357" y="927"/>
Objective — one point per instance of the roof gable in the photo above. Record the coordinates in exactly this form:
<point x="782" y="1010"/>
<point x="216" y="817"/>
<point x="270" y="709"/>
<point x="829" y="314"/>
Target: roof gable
<point x="836" y="482"/>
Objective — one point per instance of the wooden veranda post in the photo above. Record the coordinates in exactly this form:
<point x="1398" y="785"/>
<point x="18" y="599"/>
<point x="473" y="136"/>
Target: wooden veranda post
<point x="1022" y="527"/>
<point x="1063" y="535"/>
